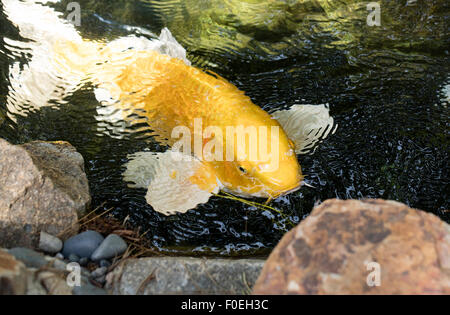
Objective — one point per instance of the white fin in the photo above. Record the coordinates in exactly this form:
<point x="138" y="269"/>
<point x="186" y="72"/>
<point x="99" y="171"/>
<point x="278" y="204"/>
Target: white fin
<point x="166" y="44"/>
<point x="306" y="125"/>
<point x="167" y="176"/>
<point x="34" y="84"/>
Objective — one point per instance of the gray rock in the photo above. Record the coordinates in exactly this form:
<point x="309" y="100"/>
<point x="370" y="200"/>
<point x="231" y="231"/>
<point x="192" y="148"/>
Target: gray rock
<point x="49" y="243"/>
<point x="88" y="289"/>
<point x="182" y="275"/>
<point x="99" y="272"/>
<point x="43" y="187"/>
<point x="59" y="256"/>
<point x="13" y="277"/>
<point x="84" y="261"/>
<point x="59" y="264"/>
<point x="82" y="245"/>
<point x="112" y="246"/>
<point x="73" y="258"/>
<point x="104" y="263"/>
<point x="29" y="257"/>
<point x="101" y="280"/>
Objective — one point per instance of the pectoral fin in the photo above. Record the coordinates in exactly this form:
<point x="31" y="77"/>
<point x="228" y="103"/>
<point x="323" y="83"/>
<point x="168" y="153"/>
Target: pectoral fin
<point x="176" y="183"/>
<point x="306" y="125"/>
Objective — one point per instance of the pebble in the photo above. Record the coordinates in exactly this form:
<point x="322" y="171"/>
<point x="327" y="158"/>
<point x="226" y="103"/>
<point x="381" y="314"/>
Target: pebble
<point x="88" y="289"/>
<point x="59" y="256"/>
<point x="104" y="263"/>
<point x="73" y="258"/>
<point x="49" y="243"/>
<point x="112" y="246"/>
<point x="101" y="280"/>
<point x="59" y="264"/>
<point x="29" y="257"/>
<point x="99" y="272"/>
<point x="83" y="244"/>
<point x="84" y="261"/>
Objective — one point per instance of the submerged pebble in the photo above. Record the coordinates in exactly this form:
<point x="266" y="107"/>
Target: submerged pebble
<point x="112" y="246"/>
<point x="49" y="243"/>
<point x="82" y="245"/>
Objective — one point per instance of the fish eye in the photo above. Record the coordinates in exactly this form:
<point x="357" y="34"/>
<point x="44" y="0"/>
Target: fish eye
<point x="243" y="170"/>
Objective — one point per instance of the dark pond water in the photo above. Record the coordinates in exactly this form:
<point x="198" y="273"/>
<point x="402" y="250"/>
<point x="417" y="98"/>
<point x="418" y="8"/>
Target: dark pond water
<point x="387" y="86"/>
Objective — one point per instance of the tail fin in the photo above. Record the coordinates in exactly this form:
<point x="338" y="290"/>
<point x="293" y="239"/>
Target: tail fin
<point x="61" y="59"/>
<point x="39" y="81"/>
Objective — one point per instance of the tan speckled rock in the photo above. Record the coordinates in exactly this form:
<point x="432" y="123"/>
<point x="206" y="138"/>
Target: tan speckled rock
<point x="43" y="187"/>
<point x="329" y="252"/>
<point x="13" y="277"/>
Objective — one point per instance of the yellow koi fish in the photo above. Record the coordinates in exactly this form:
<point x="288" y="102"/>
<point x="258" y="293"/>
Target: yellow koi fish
<point x="220" y="140"/>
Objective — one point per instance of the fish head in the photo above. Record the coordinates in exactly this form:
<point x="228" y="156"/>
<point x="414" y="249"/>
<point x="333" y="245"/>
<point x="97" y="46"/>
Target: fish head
<point x="268" y="169"/>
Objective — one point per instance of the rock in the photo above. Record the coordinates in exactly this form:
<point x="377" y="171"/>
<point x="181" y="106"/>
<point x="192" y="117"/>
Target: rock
<point x="73" y="258"/>
<point x="342" y="245"/>
<point x="54" y="284"/>
<point x="99" y="272"/>
<point x="59" y="264"/>
<point x="104" y="263"/>
<point x="59" y="256"/>
<point x="184" y="275"/>
<point x="112" y="246"/>
<point x="88" y="289"/>
<point x="49" y="243"/>
<point x="83" y="244"/>
<point x="13" y="278"/>
<point x="34" y="286"/>
<point x="101" y="280"/>
<point x="43" y="187"/>
<point x="29" y="257"/>
<point x="84" y="261"/>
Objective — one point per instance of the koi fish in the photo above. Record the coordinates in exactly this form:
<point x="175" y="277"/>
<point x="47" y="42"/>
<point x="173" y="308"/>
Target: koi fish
<point x="153" y="82"/>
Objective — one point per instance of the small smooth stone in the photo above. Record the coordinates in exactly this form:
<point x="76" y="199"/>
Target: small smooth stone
<point x="101" y="280"/>
<point x="74" y="258"/>
<point x="99" y="272"/>
<point x="88" y="289"/>
<point x="112" y="246"/>
<point x="84" y="261"/>
<point x="82" y="245"/>
<point x="104" y="263"/>
<point x="59" y="256"/>
<point x="49" y="243"/>
<point x="59" y="264"/>
<point x="29" y="257"/>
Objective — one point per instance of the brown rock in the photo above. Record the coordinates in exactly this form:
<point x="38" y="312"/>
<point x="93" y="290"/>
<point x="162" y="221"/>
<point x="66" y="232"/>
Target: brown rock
<point x="337" y="248"/>
<point x="43" y="187"/>
<point x="13" y="277"/>
<point x="54" y="283"/>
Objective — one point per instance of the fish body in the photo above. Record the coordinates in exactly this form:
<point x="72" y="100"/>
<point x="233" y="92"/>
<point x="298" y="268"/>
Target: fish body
<point x="234" y="145"/>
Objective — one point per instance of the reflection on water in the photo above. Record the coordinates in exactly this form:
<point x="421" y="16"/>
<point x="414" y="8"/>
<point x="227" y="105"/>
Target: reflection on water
<point x="387" y="88"/>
